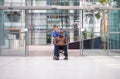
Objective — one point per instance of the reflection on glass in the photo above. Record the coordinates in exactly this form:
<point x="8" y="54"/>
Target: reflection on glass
<point x="13" y="16"/>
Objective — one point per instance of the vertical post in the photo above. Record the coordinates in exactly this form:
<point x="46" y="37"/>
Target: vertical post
<point x="2" y="37"/>
<point x="25" y="32"/>
<point x="104" y="29"/>
<point x="108" y="49"/>
<point x="62" y="18"/>
<point x="92" y="37"/>
<point x="80" y="27"/>
<point x="80" y="32"/>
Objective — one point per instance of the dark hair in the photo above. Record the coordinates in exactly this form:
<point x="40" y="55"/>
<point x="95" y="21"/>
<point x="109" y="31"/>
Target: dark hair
<point x="55" y="26"/>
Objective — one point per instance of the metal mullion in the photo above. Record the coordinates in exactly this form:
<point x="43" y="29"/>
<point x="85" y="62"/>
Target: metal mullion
<point x="108" y="40"/>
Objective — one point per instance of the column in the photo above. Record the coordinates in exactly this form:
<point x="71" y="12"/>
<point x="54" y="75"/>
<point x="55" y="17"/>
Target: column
<point x="71" y="36"/>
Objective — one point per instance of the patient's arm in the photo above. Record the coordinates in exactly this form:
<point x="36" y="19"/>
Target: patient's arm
<point x="60" y="41"/>
<point x="65" y="41"/>
<point x="55" y="40"/>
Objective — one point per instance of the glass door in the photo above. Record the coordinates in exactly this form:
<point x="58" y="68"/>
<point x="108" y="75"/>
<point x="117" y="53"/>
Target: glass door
<point x="12" y="33"/>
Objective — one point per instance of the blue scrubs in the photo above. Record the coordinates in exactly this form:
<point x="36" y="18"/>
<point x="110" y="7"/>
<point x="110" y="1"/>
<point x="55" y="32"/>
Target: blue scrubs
<point x="55" y="34"/>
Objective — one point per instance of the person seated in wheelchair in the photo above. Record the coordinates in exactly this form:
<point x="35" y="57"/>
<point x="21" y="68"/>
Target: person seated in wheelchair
<point x="60" y="44"/>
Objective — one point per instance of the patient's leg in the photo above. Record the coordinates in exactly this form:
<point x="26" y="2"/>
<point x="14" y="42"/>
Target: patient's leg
<point x="65" y="50"/>
<point x="56" y="51"/>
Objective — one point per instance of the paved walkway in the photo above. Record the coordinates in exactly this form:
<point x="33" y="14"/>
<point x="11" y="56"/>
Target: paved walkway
<point x="85" y="67"/>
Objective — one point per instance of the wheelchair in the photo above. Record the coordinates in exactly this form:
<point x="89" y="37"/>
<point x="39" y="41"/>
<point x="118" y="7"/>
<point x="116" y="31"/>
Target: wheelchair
<point x="61" y="50"/>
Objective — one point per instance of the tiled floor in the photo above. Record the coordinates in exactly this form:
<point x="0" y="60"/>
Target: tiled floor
<point x="83" y="67"/>
<point x="46" y="50"/>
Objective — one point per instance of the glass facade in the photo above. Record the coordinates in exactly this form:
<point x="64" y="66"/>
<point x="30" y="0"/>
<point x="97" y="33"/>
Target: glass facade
<point x="22" y="29"/>
<point x="12" y="29"/>
<point x="114" y="26"/>
<point x="43" y="20"/>
<point x="1" y="26"/>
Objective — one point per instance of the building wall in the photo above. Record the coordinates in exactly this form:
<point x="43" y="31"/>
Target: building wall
<point x="114" y="26"/>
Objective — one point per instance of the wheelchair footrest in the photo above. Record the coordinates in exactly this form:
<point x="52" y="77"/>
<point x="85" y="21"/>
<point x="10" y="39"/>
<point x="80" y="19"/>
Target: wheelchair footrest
<point x="61" y="51"/>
